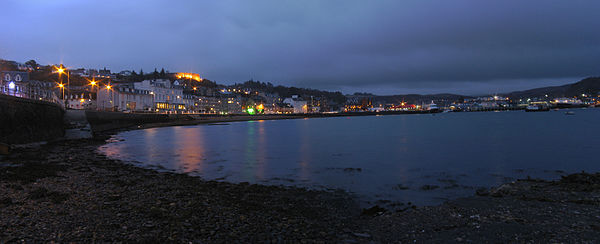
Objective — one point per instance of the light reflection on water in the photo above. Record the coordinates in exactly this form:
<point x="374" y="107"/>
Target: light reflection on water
<point x="424" y="159"/>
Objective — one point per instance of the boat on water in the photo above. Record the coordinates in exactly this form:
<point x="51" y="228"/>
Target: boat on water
<point x="432" y="107"/>
<point x="569" y="113"/>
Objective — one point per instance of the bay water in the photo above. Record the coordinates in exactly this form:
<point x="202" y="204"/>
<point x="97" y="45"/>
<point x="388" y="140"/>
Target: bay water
<point x="388" y="160"/>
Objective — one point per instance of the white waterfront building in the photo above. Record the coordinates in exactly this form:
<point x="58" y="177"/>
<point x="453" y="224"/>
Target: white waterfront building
<point x="167" y="96"/>
<point x="123" y="97"/>
<point x="300" y="106"/>
<point x="149" y="95"/>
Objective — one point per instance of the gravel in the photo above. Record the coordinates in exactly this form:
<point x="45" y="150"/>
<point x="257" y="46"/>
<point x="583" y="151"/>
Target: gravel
<point x="66" y="192"/>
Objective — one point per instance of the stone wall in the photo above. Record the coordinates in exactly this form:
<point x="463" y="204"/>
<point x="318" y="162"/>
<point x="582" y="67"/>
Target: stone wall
<point x="105" y="121"/>
<point x="25" y="120"/>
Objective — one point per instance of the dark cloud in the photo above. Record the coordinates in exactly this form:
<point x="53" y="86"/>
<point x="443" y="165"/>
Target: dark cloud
<point x="381" y="46"/>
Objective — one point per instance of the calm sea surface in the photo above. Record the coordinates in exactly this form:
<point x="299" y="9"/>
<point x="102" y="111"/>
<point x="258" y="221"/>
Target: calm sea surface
<point x="424" y="159"/>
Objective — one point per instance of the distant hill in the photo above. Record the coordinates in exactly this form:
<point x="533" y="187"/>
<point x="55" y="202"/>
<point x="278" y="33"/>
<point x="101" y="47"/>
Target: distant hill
<point x="418" y="99"/>
<point x="284" y="91"/>
<point x="590" y="86"/>
<point x="586" y="86"/>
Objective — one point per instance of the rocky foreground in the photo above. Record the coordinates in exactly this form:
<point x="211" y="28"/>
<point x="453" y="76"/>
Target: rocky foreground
<point x="66" y="192"/>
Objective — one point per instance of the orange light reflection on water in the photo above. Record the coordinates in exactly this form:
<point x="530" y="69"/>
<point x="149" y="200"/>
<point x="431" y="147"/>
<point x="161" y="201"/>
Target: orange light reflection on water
<point x="190" y="150"/>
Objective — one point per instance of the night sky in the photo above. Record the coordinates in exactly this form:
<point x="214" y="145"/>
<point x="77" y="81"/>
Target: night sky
<point x="384" y="47"/>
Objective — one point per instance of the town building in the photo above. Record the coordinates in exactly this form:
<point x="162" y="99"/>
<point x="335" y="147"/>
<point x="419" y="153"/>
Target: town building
<point x="279" y="108"/>
<point x="14" y="83"/>
<point x="207" y="105"/>
<point x="358" y="103"/>
<point x="124" y="97"/>
<point x="300" y="106"/>
<point x="189" y="103"/>
<point x="81" y="100"/>
<point x="103" y="73"/>
<point x="231" y="105"/>
<point x="167" y="96"/>
<point x="43" y="91"/>
<point x="78" y="72"/>
<point x="125" y="73"/>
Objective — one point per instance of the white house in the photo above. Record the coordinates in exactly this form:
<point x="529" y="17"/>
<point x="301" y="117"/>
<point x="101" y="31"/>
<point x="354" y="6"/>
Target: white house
<point x="123" y="97"/>
<point x="167" y="96"/>
<point x="300" y="106"/>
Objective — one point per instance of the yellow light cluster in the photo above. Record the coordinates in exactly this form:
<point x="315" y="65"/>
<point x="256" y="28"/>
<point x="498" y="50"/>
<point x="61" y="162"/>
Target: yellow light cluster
<point x="192" y="76"/>
<point x="162" y="105"/>
<point x="169" y="106"/>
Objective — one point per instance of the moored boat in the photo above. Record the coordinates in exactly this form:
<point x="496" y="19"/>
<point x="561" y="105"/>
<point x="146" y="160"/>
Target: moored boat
<point x="432" y="107"/>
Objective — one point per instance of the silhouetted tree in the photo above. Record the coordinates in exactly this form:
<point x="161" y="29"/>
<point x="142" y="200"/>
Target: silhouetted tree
<point x="162" y="73"/>
<point x="155" y="74"/>
<point x="32" y="63"/>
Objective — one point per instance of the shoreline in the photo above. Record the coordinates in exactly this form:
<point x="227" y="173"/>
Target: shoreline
<point x="65" y="191"/>
<point x="209" y="119"/>
<point x="47" y="191"/>
<point x="132" y="121"/>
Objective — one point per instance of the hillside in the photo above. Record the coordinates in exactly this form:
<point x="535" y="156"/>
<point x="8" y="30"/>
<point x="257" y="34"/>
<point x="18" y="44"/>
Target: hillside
<point x="586" y="86"/>
<point x="284" y="91"/>
<point x="418" y="99"/>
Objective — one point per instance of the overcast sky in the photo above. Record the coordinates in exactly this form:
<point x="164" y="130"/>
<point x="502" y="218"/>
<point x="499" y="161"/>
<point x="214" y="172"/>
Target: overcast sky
<point x="385" y="47"/>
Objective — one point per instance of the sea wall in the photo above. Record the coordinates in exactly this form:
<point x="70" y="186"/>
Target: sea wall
<point x="25" y="120"/>
<point x="104" y="121"/>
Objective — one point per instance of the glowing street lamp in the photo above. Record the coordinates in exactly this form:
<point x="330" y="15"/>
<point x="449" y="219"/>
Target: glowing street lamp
<point x="62" y="70"/>
<point x="93" y="83"/>
<point x="260" y="108"/>
<point x="108" y="87"/>
<point x="61" y="86"/>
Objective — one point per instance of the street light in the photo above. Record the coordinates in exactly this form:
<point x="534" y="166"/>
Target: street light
<point x="108" y="87"/>
<point x="62" y="87"/>
<point x="93" y="83"/>
<point x="62" y="70"/>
